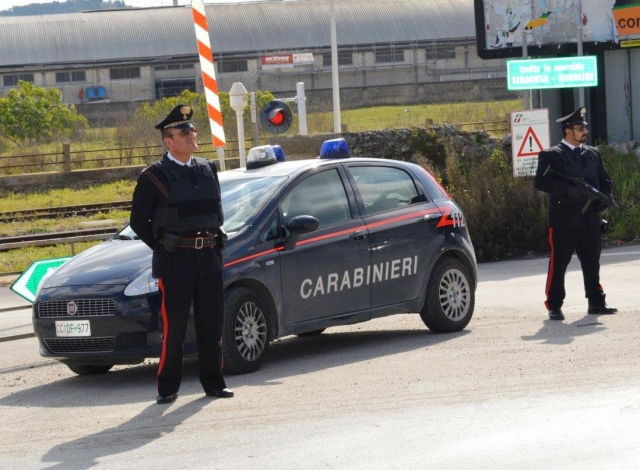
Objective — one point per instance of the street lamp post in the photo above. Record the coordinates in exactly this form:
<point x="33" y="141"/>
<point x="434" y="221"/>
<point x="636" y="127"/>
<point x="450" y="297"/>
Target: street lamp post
<point x="238" y="101"/>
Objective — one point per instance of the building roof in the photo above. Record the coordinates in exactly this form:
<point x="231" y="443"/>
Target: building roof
<point x="268" y="26"/>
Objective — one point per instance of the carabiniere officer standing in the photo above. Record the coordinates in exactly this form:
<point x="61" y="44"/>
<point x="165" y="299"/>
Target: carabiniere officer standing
<point x="571" y="226"/>
<point x="177" y="211"/>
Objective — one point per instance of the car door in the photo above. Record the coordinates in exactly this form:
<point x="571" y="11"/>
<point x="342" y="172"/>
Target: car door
<point x="324" y="275"/>
<point x="401" y="222"/>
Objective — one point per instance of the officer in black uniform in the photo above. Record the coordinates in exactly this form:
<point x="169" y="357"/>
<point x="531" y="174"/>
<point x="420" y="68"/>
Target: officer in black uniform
<point x="570" y="228"/>
<point x="177" y="211"/>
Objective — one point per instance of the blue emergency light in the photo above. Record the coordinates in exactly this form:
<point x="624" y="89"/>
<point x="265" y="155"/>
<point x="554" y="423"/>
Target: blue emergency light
<point x="279" y="152"/>
<point x="334" y="148"/>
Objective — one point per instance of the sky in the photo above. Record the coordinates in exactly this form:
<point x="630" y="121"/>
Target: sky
<point x="7" y="4"/>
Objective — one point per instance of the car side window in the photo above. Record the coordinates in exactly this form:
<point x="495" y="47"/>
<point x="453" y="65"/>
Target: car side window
<point x="322" y="196"/>
<point x="384" y="188"/>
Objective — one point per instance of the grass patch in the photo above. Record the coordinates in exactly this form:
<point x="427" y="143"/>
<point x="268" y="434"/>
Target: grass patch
<point x="117" y="191"/>
<point x="398" y="117"/>
<point x="18" y="260"/>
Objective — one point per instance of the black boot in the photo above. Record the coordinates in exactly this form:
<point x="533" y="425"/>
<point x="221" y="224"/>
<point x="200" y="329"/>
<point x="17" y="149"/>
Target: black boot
<point x="556" y="314"/>
<point x="599" y="307"/>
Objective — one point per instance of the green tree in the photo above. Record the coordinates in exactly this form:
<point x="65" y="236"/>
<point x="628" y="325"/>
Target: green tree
<point x="30" y="114"/>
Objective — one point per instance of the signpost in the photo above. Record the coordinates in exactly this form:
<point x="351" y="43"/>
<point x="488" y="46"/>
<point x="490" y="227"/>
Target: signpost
<point x="561" y="72"/>
<point x="27" y="284"/>
<point x="529" y="135"/>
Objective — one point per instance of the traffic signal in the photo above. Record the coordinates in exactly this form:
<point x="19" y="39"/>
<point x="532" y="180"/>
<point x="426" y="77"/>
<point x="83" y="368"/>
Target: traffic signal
<point x="276" y="117"/>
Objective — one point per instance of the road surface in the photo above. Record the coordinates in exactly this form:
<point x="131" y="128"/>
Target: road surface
<point x="514" y="390"/>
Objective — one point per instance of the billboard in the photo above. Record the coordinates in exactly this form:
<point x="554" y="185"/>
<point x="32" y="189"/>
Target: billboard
<point x="551" y="26"/>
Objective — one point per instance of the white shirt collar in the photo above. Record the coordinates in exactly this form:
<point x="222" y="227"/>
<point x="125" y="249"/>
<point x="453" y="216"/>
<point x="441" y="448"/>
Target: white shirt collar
<point x="572" y="147"/>
<point x="174" y="159"/>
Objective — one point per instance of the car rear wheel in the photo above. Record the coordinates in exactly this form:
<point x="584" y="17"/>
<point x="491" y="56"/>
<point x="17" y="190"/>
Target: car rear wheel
<point x="450" y="297"/>
<point x="245" y="337"/>
<point x="82" y="369"/>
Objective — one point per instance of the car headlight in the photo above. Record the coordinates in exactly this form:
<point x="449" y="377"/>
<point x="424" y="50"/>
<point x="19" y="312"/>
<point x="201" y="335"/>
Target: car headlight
<point x="145" y="283"/>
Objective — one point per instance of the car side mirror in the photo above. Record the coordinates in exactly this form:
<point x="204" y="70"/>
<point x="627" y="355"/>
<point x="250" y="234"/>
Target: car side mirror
<point x="299" y="226"/>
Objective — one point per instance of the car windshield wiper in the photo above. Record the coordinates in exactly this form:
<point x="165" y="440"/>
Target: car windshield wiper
<point x="124" y="237"/>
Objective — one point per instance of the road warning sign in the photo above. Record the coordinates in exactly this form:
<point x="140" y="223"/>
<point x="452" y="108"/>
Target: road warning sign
<point x="529" y="136"/>
<point x="531" y="145"/>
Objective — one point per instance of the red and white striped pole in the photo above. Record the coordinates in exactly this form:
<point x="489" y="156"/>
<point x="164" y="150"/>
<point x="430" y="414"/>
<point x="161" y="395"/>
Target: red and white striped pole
<point x="209" y="78"/>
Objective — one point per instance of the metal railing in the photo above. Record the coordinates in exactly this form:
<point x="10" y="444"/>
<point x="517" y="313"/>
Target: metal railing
<point x="68" y="159"/>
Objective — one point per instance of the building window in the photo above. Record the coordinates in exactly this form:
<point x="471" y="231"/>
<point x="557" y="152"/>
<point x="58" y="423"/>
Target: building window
<point x="389" y="55"/>
<point x="13" y="79"/>
<point x="344" y="58"/>
<point x="166" y="88"/>
<point x="441" y="52"/>
<point x="173" y="67"/>
<point x="77" y="76"/>
<point x="232" y="66"/>
<point x="122" y="73"/>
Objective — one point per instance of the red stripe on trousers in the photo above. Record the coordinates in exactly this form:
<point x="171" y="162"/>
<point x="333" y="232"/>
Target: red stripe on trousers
<point x="165" y="328"/>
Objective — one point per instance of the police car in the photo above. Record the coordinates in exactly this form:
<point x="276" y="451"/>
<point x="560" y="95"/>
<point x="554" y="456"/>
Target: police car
<point x="313" y="244"/>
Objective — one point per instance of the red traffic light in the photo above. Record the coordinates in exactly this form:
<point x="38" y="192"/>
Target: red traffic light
<point x="276" y="117"/>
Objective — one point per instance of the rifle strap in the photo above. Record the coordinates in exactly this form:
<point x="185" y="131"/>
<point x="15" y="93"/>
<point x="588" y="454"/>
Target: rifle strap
<point x="154" y="179"/>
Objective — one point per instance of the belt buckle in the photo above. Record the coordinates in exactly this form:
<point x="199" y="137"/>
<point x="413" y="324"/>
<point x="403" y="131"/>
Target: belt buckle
<point x="199" y="243"/>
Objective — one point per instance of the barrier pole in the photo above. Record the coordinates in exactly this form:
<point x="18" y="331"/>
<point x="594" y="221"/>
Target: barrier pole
<point x="209" y="79"/>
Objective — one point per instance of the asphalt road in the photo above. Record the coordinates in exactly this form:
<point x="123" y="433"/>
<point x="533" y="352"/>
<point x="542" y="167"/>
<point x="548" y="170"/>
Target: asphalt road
<point x="512" y="391"/>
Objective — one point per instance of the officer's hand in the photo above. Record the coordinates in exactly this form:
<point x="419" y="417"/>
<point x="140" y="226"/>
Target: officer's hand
<point x="222" y="237"/>
<point x="577" y="192"/>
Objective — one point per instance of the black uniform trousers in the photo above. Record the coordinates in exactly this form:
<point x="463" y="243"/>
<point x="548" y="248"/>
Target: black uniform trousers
<point x="586" y="242"/>
<point x="208" y="309"/>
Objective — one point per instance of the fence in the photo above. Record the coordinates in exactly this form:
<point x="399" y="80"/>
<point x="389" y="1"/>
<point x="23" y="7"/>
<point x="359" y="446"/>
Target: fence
<point x="69" y="159"/>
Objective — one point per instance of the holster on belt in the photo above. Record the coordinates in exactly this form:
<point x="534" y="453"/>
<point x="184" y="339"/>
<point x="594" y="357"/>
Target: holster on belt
<point x="171" y="242"/>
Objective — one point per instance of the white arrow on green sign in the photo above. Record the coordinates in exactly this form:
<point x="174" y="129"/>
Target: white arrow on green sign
<point x="559" y="72"/>
<point x="27" y="284"/>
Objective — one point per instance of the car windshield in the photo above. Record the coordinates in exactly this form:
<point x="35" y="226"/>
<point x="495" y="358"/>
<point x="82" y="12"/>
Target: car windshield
<point x="241" y="200"/>
<point x="243" y="197"/>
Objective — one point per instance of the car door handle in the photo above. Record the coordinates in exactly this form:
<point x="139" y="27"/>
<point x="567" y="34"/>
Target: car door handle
<point x="428" y="217"/>
<point x="358" y="235"/>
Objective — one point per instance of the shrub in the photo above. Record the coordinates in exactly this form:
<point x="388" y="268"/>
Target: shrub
<point x="506" y="216"/>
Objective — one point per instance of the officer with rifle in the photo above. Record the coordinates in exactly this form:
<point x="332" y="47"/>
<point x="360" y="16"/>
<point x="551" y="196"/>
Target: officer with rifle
<point x="579" y="189"/>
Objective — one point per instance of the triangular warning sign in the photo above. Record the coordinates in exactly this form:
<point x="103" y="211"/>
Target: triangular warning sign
<point x="531" y="144"/>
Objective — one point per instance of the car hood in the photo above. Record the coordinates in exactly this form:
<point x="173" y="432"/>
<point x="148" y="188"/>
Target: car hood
<point x="112" y="262"/>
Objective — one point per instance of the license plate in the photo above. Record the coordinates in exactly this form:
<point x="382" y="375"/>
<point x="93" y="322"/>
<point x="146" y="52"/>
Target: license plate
<point x="73" y="328"/>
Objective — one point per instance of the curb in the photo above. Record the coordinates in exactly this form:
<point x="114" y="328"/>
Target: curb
<point x="16" y="337"/>
<point x="19" y="307"/>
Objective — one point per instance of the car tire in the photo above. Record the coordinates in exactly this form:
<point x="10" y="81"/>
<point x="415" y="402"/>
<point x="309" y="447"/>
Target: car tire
<point x="450" y="297"/>
<point x="311" y="333"/>
<point x="245" y="337"/>
<point x="83" y="369"/>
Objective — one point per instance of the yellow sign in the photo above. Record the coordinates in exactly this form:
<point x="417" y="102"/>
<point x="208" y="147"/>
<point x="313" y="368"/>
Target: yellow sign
<point x="630" y="43"/>
<point x="627" y="19"/>
<point x="541" y="21"/>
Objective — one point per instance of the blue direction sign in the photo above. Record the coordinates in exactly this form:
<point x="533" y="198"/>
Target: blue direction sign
<point x="560" y="72"/>
<point x="27" y="284"/>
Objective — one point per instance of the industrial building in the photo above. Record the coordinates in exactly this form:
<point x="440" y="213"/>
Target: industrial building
<point x="389" y="52"/>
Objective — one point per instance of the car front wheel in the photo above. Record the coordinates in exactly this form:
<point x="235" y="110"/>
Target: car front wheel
<point x="245" y="337"/>
<point x="450" y="297"/>
<point x="82" y="369"/>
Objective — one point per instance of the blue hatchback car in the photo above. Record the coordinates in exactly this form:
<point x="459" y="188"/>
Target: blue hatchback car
<point x="313" y="244"/>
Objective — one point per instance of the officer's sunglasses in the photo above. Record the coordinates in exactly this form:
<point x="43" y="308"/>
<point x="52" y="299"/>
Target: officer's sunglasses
<point x="186" y="132"/>
<point x="580" y="128"/>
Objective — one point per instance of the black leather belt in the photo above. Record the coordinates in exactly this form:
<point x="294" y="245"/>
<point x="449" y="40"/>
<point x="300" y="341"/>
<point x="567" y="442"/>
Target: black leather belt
<point x="196" y="243"/>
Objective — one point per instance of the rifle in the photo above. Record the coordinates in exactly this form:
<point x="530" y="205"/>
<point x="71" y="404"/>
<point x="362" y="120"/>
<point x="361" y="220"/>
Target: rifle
<point x="594" y="194"/>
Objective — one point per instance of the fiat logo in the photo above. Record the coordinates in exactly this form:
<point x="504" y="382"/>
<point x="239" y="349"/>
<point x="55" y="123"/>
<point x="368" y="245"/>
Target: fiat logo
<point x="72" y="308"/>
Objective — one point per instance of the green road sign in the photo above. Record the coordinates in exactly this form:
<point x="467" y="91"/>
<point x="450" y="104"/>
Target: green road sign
<point x="27" y="284"/>
<point x="562" y="72"/>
